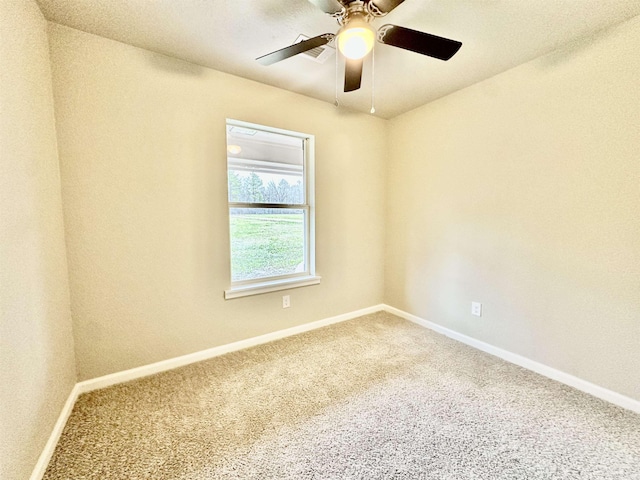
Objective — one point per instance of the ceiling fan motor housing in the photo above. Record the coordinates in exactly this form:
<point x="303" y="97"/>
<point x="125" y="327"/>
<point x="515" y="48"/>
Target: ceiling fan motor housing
<point x="364" y="10"/>
<point x="376" y="8"/>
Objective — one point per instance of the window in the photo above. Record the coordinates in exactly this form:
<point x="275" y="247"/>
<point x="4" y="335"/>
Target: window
<point x="271" y="214"/>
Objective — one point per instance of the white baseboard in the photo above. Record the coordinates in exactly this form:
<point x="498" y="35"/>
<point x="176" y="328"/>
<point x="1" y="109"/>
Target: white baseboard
<point x="562" y="377"/>
<point x="47" y="452"/>
<point x="170" y="364"/>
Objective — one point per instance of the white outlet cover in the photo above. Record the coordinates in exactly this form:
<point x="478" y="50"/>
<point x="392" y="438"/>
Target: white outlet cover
<point x="476" y="309"/>
<point x="286" y="301"/>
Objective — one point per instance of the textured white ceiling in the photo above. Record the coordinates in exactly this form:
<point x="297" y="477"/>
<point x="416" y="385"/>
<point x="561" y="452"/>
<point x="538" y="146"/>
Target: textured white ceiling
<point x="229" y="35"/>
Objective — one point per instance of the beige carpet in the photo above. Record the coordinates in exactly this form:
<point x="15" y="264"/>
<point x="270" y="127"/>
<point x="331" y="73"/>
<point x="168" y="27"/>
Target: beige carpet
<point x="372" y="398"/>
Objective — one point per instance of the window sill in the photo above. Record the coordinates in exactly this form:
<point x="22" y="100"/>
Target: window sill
<point x="272" y="286"/>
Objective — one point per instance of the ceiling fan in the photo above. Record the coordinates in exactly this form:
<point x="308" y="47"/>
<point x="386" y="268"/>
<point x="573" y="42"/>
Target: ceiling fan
<point x="356" y="37"/>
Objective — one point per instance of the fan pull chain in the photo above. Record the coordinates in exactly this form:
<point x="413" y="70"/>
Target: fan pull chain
<point x="373" y="78"/>
<point x="336" y="55"/>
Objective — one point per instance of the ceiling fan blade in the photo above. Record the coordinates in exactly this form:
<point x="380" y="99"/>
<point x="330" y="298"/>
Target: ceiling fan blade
<point x="352" y="74"/>
<point x="380" y="8"/>
<point x="419" y="42"/>
<point x="295" y="49"/>
<point x="331" y="7"/>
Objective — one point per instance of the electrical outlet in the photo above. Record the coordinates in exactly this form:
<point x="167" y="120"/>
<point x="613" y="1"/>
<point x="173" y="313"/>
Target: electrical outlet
<point x="286" y="301"/>
<point x="476" y="309"/>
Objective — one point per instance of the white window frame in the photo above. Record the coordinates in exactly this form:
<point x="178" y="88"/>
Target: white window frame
<point x="282" y="282"/>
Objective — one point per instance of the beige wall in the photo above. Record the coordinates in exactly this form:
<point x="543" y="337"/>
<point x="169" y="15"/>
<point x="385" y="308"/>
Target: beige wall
<point x="520" y="192"/>
<point x="37" y="369"/>
<point x="143" y="158"/>
<point x="523" y="193"/>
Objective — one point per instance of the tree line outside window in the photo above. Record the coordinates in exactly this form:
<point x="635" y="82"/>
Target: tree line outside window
<point x="251" y="189"/>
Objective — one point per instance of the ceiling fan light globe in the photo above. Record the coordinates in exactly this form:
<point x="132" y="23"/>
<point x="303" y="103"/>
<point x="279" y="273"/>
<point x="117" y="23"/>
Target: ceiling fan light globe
<point x="356" y="42"/>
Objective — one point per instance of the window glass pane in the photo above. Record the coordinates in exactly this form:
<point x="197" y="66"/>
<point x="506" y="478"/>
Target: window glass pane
<point x="266" y="242"/>
<point x="264" y="167"/>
